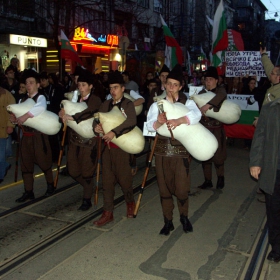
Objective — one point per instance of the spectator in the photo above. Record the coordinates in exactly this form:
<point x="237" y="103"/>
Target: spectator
<point x="221" y="82"/>
<point x="235" y="85"/>
<point x="15" y="65"/>
<point x="264" y="167"/>
<point x="250" y="88"/>
<point x="144" y="89"/>
<point x="10" y="83"/>
<point x="129" y="84"/>
<point x="6" y="128"/>
<point x="67" y="82"/>
<point x="196" y="81"/>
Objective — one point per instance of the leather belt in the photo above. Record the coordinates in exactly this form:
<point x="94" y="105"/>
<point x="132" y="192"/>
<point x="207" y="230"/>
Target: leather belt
<point x="167" y="147"/>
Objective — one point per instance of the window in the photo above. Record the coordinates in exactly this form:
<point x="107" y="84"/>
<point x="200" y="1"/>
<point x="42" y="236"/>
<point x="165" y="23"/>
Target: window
<point x="62" y="17"/>
<point x="158" y="6"/>
<point x="143" y="30"/>
<point x="241" y="26"/>
<point x="22" y="8"/>
<point x="143" y="3"/>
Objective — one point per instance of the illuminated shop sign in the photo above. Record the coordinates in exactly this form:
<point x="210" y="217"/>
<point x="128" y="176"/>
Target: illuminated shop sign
<point x="82" y="34"/>
<point x="28" y="41"/>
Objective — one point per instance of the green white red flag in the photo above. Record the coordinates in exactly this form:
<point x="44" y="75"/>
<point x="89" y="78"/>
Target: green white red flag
<point x="219" y="33"/>
<point x="235" y="41"/>
<point x="67" y="51"/>
<point x="219" y="37"/>
<point x="249" y="111"/>
<point x="175" y="53"/>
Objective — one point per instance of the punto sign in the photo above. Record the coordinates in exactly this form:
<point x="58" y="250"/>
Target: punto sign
<point x="28" y="41"/>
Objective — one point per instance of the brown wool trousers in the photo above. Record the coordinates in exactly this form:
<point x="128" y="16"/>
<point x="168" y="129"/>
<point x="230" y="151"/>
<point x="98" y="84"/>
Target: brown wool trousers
<point x="35" y="150"/>
<point x="173" y="179"/>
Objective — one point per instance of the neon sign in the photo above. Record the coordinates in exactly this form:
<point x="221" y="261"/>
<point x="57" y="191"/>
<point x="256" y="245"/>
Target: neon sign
<point x="112" y="40"/>
<point x="102" y="38"/>
<point x="82" y="34"/>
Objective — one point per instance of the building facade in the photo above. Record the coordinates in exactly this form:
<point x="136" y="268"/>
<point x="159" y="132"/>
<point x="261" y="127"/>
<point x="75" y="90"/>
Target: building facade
<point x="136" y="23"/>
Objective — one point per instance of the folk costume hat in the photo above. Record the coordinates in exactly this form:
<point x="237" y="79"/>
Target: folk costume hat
<point x="164" y="69"/>
<point x="176" y="73"/>
<point x="115" y="78"/>
<point x="86" y="76"/>
<point x="212" y="72"/>
<point x="30" y="73"/>
<point x="78" y="70"/>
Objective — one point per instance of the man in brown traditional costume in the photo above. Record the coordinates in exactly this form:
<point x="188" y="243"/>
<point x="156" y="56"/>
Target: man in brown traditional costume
<point x="82" y="155"/>
<point x="172" y="159"/>
<point x="115" y="162"/>
<point x="161" y="88"/>
<point x="34" y="146"/>
<point x="216" y="127"/>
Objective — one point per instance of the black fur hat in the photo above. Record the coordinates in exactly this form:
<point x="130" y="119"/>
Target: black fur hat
<point x="115" y="78"/>
<point x="176" y="73"/>
<point x="164" y="69"/>
<point x="212" y="72"/>
<point x="30" y="73"/>
<point x="86" y="76"/>
<point x="78" y="70"/>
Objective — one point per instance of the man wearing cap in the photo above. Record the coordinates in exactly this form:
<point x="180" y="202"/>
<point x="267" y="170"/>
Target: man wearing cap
<point x="216" y="127"/>
<point x="115" y="162"/>
<point x="138" y="100"/>
<point x="82" y="155"/>
<point x="172" y="159"/>
<point x="161" y="88"/>
<point x="35" y="147"/>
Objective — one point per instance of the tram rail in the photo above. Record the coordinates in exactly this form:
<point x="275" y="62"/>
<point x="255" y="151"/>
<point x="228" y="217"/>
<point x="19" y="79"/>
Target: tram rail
<point x="38" y="199"/>
<point x="18" y="259"/>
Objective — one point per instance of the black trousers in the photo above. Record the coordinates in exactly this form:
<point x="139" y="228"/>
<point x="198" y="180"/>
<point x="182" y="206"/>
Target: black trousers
<point x="273" y="215"/>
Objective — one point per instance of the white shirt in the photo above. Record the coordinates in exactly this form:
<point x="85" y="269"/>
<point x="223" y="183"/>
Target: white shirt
<point x="194" y="115"/>
<point x="39" y="107"/>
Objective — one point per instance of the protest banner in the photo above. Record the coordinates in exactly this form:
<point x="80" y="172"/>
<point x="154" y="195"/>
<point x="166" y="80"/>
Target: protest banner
<point x="244" y="127"/>
<point x="242" y="63"/>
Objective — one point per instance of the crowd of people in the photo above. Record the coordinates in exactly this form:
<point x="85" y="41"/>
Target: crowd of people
<point x="106" y="91"/>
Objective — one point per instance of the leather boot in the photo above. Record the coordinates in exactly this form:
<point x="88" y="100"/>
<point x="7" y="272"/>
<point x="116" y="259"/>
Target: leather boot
<point x="106" y="218"/>
<point x="130" y="209"/>
<point x="50" y="190"/>
<point x="85" y="205"/>
<point x="206" y="185"/>
<point x="168" y="226"/>
<point x="187" y="226"/>
<point x="26" y="196"/>
<point x="220" y="183"/>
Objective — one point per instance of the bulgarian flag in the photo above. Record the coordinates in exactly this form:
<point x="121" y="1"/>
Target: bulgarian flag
<point x="249" y="111"/>
<point x="175" y="53"/>
<point x="235" y="41"/>
<point x="67" y="51"/>
<point x="219" y="35"/>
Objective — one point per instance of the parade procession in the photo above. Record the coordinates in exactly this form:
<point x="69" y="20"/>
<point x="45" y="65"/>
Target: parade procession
<point x="140" y="156"/>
